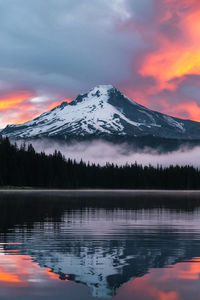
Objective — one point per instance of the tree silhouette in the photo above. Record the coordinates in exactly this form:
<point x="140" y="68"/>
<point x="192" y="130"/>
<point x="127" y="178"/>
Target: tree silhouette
<point x="24" y="167"/>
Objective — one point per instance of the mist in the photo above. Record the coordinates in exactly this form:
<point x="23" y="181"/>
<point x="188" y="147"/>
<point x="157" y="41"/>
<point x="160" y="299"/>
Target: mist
<point x="101" y="152"/>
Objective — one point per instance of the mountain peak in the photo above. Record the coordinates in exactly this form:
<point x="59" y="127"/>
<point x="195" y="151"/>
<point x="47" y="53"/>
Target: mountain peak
<point x="100" y="90"/>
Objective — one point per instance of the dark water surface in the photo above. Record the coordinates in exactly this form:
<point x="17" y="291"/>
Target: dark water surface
<point x="88" y="245"/>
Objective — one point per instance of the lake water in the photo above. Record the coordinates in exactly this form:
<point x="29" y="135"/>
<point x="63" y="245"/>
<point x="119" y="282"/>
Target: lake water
<point x="99" y="245"/>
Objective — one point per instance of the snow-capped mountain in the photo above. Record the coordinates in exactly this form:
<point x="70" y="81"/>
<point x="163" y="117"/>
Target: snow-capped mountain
<point x="104" y="112"/>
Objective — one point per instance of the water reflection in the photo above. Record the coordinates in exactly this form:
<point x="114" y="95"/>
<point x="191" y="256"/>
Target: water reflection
<point x="20" y="270"/>
<point x="179" y="282"/>
<point x="71" y="243"/>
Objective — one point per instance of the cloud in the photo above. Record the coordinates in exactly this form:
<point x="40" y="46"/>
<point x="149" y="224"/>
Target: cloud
<point x="170" y="60"/>
<point x="73" y="44"/>
<point x="61" y="48"/>
<point x="56" y="49"/>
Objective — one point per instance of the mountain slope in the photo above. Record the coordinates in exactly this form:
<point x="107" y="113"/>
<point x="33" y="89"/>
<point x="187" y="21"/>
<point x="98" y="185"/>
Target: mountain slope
<point x="104" y="112"/>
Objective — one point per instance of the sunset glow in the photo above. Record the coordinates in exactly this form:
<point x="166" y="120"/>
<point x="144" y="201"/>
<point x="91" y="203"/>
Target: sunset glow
<point x="151" y="53"/>
<point x="20" y="270"/>
<point x="166" y="284"/>
<point x="161" y="284"/>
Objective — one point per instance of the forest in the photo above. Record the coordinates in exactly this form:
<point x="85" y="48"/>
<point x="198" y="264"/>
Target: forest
<point x="22" y="166"/>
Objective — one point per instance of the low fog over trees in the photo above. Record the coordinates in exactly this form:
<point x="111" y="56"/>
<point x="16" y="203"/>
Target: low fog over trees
<point x="23" y="167"/>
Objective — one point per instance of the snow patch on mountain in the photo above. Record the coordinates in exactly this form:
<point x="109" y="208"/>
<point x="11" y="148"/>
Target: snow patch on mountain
<point x="174" y="123"/>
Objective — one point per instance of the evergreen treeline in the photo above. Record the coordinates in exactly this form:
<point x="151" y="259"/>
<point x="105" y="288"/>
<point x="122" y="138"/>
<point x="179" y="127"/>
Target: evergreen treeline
<point x="23" y="167"/>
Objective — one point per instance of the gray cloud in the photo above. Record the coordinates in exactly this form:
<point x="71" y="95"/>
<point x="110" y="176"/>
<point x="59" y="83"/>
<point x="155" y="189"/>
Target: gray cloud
<point x="142" y="11"/>
<point x="64" y="45"/>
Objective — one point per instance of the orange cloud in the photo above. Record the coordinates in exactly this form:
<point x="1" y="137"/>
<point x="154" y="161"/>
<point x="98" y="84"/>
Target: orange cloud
<point x="17" y="108"/>
<point x="176" y="58"/>
<point x="189" y="110"/>
<point x="175" y="35"/>
<point x="13" y="100"/>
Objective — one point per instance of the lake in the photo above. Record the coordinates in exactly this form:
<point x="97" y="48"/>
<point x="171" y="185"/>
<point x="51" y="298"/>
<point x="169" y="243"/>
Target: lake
<point x="87" y="245"/>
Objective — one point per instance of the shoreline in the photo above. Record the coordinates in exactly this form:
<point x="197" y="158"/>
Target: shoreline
<point x="123" y="191"/>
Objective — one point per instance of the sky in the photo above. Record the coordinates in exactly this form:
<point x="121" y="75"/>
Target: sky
<point x="52" y="50"/>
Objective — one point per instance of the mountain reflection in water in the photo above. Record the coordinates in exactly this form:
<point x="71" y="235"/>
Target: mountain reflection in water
<point x="129" y="245"/>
